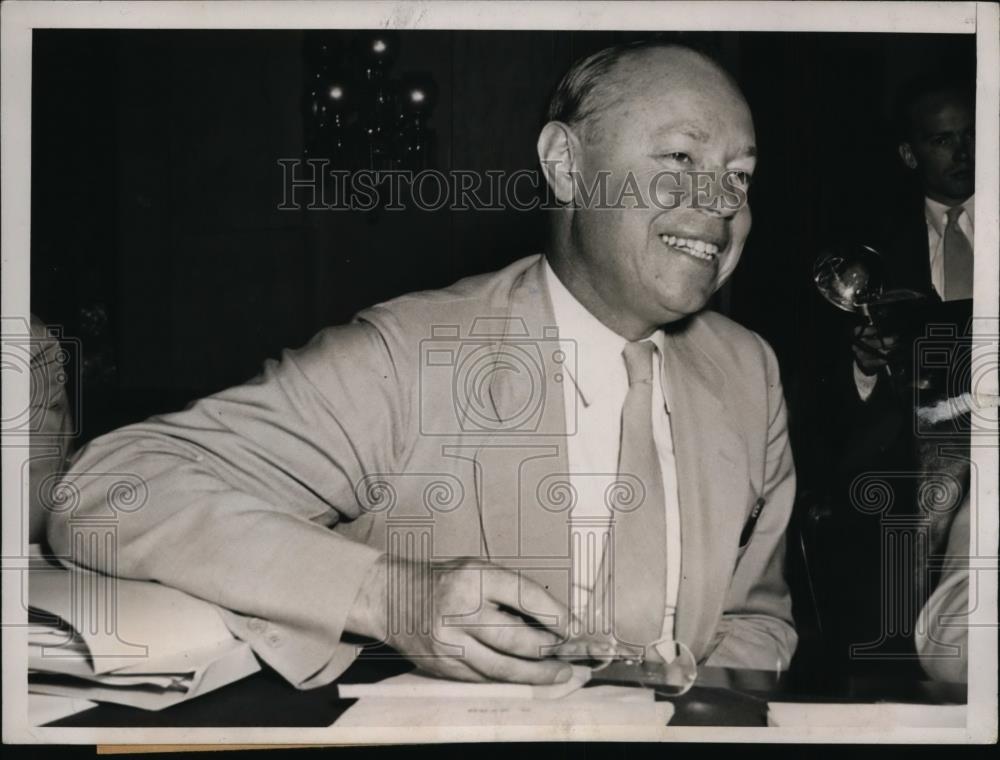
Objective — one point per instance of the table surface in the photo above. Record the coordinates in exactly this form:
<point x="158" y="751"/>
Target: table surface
<point x="720" y="697"/>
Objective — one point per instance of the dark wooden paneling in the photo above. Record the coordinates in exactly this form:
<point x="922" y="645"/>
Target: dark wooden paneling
<point x="145" y="211"/>
<point x="217" y="275"/>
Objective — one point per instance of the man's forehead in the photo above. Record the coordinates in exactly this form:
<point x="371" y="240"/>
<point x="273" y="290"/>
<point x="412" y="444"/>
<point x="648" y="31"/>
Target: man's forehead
<point x="942" y="105"/>
<point x="945" y="117"/>
<point x="667" y="73"/>
<point x="667" y="90"/>
<point x="683" y="127"/>
<point x="667" y="70"/>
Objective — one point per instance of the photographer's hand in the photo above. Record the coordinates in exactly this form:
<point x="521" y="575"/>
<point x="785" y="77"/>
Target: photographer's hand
<point x="872" y="350"/>
<point x="493" y="643"/>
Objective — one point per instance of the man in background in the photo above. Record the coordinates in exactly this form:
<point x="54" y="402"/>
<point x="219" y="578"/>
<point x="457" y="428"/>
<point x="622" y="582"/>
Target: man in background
<point x="928" y="245"/>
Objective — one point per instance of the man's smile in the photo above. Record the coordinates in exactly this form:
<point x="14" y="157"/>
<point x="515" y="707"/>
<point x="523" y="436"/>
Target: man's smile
<point x="699" y="249"/>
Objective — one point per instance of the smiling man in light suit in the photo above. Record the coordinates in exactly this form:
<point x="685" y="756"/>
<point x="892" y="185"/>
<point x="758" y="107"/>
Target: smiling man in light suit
<point x="440" y="473"/>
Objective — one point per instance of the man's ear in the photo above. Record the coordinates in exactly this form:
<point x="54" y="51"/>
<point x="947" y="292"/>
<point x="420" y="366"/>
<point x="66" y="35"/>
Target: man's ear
<point x="558" y="152"/>
<point x="906" y="154"/>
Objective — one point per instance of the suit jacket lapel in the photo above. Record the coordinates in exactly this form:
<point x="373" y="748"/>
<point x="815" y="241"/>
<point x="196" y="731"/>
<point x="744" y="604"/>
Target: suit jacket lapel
<point x="905" y="247"/>
<point x="522" y="464"/>
<point x="712" y="478"/>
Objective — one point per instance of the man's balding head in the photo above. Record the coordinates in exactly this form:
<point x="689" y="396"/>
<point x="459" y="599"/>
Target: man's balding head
<point x="605" y="79"/>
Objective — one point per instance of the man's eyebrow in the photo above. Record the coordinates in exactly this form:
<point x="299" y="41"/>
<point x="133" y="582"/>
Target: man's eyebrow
<point x="688" y="130"/>
<point x="700" y="135"/>
<point x="947" y="132"/>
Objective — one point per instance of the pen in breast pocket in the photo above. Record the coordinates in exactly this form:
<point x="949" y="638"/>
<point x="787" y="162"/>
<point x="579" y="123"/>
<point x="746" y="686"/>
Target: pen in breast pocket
<point x="758" y="507"/>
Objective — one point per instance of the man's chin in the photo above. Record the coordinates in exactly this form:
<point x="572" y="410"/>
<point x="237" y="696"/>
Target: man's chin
<point x="965" y="192"/>
<point x="677" y="309"/>
<point x="960" y="189"/>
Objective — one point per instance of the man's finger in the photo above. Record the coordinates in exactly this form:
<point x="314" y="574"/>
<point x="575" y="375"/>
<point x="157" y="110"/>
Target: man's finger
<point x="510" y="635"/>
<point x="886" y="341"/>
<point x="459" y="670"/>
<point x="451" y="666"/>
<point x="870" y="351"/>
<point x="524" y="596"/>
<point x="500" y="667"/>
<point x="880" y="343"/>
<point x="871" y="332"/>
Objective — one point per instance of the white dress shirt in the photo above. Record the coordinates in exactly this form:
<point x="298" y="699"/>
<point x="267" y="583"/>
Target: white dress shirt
<point x="935" y="214"/>
<point x="598" y="392"/>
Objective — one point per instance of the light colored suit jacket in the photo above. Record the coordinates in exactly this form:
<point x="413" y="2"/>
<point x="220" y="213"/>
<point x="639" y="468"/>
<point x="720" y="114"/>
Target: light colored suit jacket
<point x="51" y="425"/>
<point x="435" y="425"/>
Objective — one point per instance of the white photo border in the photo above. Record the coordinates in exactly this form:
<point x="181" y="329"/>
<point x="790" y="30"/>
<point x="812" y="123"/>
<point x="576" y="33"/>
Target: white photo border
<point x="20" y="18"/>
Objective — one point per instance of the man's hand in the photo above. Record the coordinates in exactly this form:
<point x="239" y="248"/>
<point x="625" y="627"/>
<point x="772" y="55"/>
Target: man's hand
<point x="463" y="619"/>
<point x="872" y="350"/>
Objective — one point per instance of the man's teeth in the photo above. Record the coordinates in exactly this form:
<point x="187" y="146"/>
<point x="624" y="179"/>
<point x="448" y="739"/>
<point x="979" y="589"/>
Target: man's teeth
<point x="697" y="248"/>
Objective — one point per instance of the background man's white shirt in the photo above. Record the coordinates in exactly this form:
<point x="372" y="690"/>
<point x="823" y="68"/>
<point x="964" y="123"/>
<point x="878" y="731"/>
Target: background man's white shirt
<point x="935" y="216"/>
<point x="598" y="393"/>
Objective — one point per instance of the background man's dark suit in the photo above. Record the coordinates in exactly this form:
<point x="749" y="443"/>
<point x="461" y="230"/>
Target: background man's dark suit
<point x="874" y="435"/>
<point x="876" y="430"/>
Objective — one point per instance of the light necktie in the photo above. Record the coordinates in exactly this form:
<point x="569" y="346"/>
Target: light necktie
<point x="640" y="535"/>
<point x="958" y="259"/>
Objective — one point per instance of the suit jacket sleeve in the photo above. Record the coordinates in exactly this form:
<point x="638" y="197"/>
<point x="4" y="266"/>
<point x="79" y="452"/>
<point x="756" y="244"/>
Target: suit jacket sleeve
<point x="241" y="490"/>
<point x="52" y="426"/>
<point x="756" y="630"/>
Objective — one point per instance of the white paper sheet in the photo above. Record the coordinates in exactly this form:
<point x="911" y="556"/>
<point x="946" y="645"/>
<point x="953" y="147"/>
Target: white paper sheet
<point x="148" y="621"/>
<point x="136" y="643"/>
<point x="471" y="704"/>
<point x="213" y="667"/>
<point x="445" y="712"/>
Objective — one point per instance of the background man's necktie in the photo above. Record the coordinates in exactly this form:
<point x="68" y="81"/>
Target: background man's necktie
<point x="640" y="563"/>
<point x="958" y="260"/>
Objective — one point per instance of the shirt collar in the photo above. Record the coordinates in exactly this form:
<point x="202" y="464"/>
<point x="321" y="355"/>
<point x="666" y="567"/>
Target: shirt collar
<point x="596" y="343"/>
<point x="936" y="213"/>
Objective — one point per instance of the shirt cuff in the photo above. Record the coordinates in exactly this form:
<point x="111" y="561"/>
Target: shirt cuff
<point x="864" y="383"/>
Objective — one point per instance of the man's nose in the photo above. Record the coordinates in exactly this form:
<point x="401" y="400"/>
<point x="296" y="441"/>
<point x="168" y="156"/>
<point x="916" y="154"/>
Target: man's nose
<point x="723" y="208"/>
<point x="964" y="150"/>
<point x="719" y="197"/>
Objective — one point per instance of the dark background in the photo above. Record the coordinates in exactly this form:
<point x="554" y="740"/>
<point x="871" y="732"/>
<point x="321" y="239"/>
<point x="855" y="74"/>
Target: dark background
<point x="156" y="238"/>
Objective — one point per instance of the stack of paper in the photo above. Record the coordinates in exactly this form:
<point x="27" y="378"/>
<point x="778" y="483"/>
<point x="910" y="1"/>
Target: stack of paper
<point x="131" y="642"/>
<point x="412" y="699"/>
